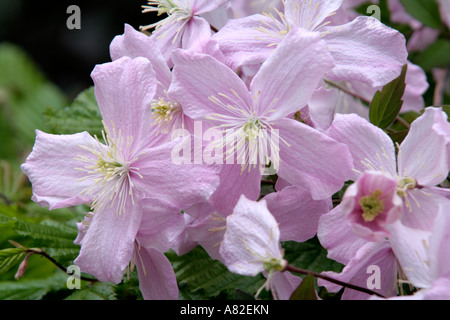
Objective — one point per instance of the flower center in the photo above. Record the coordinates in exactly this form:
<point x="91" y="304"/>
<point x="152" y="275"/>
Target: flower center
<point x="371" y="205"/>
<point x="252" y="129"/>
<point x="175" y="13"/>
<point x="404" y="184"/>
<point x="109" y="172"/>
<point x="163" y="113"/>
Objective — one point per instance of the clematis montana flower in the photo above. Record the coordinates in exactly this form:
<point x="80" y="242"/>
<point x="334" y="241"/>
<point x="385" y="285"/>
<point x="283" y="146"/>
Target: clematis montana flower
<point x="115" y="175"/>
<point x="365" y="230"/>
<point x="183" y="27"/>
<point x="257" y="117"/>
<point x="251" y="243"/>
<point x="421" y="165"/>
<point x="364" y="49"/>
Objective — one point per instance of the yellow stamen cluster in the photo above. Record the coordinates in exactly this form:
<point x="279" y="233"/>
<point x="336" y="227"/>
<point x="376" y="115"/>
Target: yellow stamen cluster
<point x="371" y="205"/>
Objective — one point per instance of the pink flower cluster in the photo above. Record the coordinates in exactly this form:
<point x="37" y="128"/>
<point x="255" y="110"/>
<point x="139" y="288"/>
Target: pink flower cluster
<point x="195" y="113"/>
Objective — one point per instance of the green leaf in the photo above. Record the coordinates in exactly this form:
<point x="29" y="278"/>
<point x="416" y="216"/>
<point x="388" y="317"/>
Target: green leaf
<point x="98" y="291"/>
<point x="199" y="276"/>
<point x="82" y="115"/>
<point x="12" y="183"/>
<point x="426" y="11"/>
<point x="386" y="104"/>
<point x="34" y="289"/>
<point x="10" y="257"/>
<point x="435" y="56"/>
<point x="306" y="290"/>
<point x="47" y="235"/>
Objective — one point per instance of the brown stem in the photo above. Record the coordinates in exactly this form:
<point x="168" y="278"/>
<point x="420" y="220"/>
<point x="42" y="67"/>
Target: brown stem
<point x="56" y="263"/>
<point x="338" y="282"/>
<point x="214" y="28"/>
<point x="403" y="122"/>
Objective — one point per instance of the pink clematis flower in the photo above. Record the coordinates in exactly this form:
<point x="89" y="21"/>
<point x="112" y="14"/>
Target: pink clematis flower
<point x="398" y="226"/>
<point x="212" y="92"/>
<point x="183" y="27"/>
<point x="422" y="161"/>
<point x="122" y="178"/>
<point x="251" y="245"/>
<point x="251" y="40"/>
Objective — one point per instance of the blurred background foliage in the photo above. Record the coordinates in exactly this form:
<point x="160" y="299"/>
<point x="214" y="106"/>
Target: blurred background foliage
<point x="45" y="84"/>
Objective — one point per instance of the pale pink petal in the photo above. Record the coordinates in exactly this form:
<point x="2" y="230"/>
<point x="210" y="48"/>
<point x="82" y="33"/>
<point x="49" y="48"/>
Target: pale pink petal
<point x="284" y="284"/>
<point x="421" y="207"/>
<point x="243" y="42"/>
<point x="310" y="14"/>
<point x="399" y="14"/>
<point x="422" y="38"/>
<point x="51" y="169"/>
<point x="322" y="107"/>
<point x="200" y="7"/>
<point x="439" y="244"/>
<point x="157" y="279"/>
<point x="416" y="86"/>
<point x="422" y="154"/>
<point x="208" y="232"/>
<point x="135" y="44"/>
<point x="124" y="90"/>
<point x="251" y="238"/>
<point x="335" y="235"/>
<point x="161" y="225"/>
<point x="196" y="31"/>
<point x="312" y="159"/>
<point x="288" y="78"/>
<point x="233" y="183"/>
<point x="168" y="38"/>
<point x="108" y="245"/>
<point x="180" y="184"/>
<point x="350" y="43"/>
<point x="410" y="248"/>
<point x="439" y="288"/>
<point x="296" y="212"/>
<point x="444" y="9"/>
<point x="371" y="148"/>
<point x="197" y="78"/>
<point x="357" y="272"/>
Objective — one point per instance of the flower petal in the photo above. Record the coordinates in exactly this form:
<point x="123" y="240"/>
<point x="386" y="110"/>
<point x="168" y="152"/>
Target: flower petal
<point x="124" y="90"/>
<point x="197" y="78"/>
<point x="366" y="50"/>
<point x="243" y="42"/>
<point x="136" y="44"/>
<point x="423" y="153"/>
<point x="310" y="14"/>
<point x="410" y="248"/>
<point x="288" y="78"/>
<point x="108" y="245"/>
<point x="157" y="279"/>
<point x="51" y="169"/>
<point x="322" y="173"/>
<point x="182" y="185"/>
<point x="161" y="224"/>
<point x="357" y="272"/>
<point x="335" y="235"/>
<point x="251" y="237"/>
<point x="370" y="147"/>
<point x="296" y="213"/>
